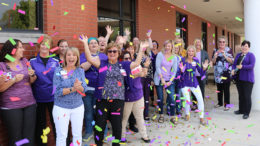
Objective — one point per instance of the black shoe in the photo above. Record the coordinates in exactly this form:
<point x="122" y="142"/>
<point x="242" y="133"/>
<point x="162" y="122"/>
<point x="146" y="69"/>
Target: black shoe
<point x="237" y="112"/>
<point x="245" y="116"/>
<point x="133" y="128"/>
<point x="147" y="140"/>
<point x="147" y="118"/>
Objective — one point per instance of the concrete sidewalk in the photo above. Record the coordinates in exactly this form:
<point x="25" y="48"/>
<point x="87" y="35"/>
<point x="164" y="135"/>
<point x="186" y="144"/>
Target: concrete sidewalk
<point x="224" y="127"/>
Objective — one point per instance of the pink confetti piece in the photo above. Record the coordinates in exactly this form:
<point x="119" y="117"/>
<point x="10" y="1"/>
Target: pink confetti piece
<point x="184" y="6"/>
<point x="21" y="11"/>
<point x="40" y="39"/>
<point x="55" y="34"/>
<point x="102" y="69"/>
<point x="115" y="113"/>
<point x="22" y="142"/>
<point x="15" y="98"/>
<point x="172" y="7"/>
<point x="31" y="44"/>
<point x="178" y="100"/>
<point x="14" y="7"/>
<point x="54" y="49"/>
<point x="13" y="51"/>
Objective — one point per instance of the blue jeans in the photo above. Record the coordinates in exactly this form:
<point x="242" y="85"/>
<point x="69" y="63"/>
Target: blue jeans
<point x="89" y="102"/>
<point x="178" y="91"/>
<point x="170" y="98"/>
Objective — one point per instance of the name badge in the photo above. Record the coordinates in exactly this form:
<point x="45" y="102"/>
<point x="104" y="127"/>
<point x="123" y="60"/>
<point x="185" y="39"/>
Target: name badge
<point x="193" y="63"/>
<point x="123" y="72"/>
<point x="64" y="74"/>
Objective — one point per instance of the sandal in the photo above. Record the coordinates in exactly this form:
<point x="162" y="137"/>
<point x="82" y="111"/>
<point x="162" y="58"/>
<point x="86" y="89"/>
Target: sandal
<point x="172" y="120"/>
<point x="161" y="120"/>
<point x="202" y="122"/>
<point x="187" y="117"/>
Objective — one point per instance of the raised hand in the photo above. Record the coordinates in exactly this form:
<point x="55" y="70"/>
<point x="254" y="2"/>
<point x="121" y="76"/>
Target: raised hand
<point x="182" y="67"/>
<point x="77" y="84"/>
<point x="144" y="45"/>
<point x="83" y="38"/>
<point x="205" y="64"/>
<point x="148" y="34"/>
<point x="109" y="29"/>
<point x="31" y="72"/>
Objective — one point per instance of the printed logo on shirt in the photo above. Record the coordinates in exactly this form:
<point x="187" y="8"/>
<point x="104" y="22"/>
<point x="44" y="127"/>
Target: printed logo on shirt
<point x="64" y="74"/>
<point x="123" y="72"/>
<point x="193" y="63"/>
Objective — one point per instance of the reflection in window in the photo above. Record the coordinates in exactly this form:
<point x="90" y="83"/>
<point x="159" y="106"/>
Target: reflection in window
<point x="13" y="20"/>
<point x="103" y="22"/>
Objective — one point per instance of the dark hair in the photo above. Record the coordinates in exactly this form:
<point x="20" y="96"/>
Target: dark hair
<point x="7" y="49"/>
<point x="246" y="42"/>
<point x="61" y="41"/>
<point x="124" y="53"/>
<point x="154" y="41"/>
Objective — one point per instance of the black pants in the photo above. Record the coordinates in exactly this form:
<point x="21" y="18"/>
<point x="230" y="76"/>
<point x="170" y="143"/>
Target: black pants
<point x="113" y="113"/>
<point x="41" y="122"/>
<point x="20" y="124"/>
<point x="146" y="90"/>
<point x="244" y="92"/>
<point x="223" y="88"/>
<point x="132" y="120"/>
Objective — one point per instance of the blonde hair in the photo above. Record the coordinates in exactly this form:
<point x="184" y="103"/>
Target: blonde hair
<point x="112" y="45"/>
<point x="191" y="47"/>
<point x="74" y="51"/>
<point x="182" y="41"/>
<point x="201" y="43"/>
<point x="172" y="45"/>
<point x="46" y="38"/>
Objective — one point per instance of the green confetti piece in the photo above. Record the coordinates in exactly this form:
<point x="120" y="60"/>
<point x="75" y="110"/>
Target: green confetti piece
<point x="199" y="65"/>
<point x="183" y="104"/>
<point x="115" y="141"/>
<point x="177" y="33"/>
<point x="251" y="125"/>
<point x="239" y="19"/>
<point x="47" y="45"/>
<point x="231" y="131"/>
<point x="172" y="124"/>
<point x="166" y="132"/>
<point x="170" y="58"/>
<point x="190" y="70"/>
<point x="9" y="57"/>
<point x="98" y="128"/>
<point x="51" y="55"/>
<point x="12" y="41"/>
<point x="191" y="135"/>
<point x="168" y="91"/>
<point x="213" y="35"/>
<point x="66" y="13"/>
<point x="151" y="87"/>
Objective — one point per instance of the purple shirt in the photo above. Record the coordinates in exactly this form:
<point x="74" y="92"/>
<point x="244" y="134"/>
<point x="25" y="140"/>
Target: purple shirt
<point x="21" y="89"/>
<point x="247" y="71"/>
<point x="166" y="69"/>
<point x="135" y="92"/>
<point x="188" y="78"/>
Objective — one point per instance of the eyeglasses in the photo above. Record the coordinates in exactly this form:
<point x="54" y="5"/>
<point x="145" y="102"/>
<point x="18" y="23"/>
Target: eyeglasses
<point x="112" y="51"/>
<point x="221" y="41"/>
<point x="127" y="58"/>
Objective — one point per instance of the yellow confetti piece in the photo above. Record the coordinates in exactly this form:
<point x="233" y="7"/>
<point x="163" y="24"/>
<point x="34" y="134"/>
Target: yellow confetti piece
<point x="177" y="45"/>
<point x="131" y="44"/>
<point x="105" y="110"/>
<point x="164" y="69"/>
<point x="82" y="7"/>
<point x="154" y="117"/>
<point x="46" y="131"/>
<point x="0" y="28"/>
<point x="87" y="81"/>
<point x="223" y="78"/>
<point x="169" y="10"/>
<point x="172" y="79"/>
<point x="44" y="139"/>
<point x="132" y="76"/>
<point x="159" y="109"/>
<point x="158" y="8"/>
<point x="5" y="4"/>
<point x="166" y="29"/>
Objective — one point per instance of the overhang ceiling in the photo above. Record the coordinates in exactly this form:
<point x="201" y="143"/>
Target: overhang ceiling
<point x="219" y="12"/>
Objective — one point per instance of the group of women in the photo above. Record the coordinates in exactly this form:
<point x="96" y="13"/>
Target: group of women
<point x="108" y="82"/>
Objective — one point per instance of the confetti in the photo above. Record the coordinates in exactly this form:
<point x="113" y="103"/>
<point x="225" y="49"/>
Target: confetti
<point x="164" y="69"/>
<point x="14" y="7"/>
<point x="183" y="19"/>
<point x="66" y="13"/>
<point x="12" y="41"/>
<point x="115" y="113"/>
<point x="203" y="77"/>
<point x="21" y="11"/>
<point x="51" y="2"/>
<point x="40" y="39"/>
<point x="184" y="6"/>
<point x="177" y="33"/>
<point x="82" y="7"/>
<point x="223" y="78"/>
<point x="81" y="93"/>
<point x="102" y="69"/>
<point x="87" y="81"/>
<point x="9" y="57"/>
<point x="100" y="112"/>
<point x="13" y="51"/>
<point x="54" y="49"/>
<point x="239" y="19"/>
<point x="22" y="142"/>
<point x="15" y="98"/>
<point x="98" y="128"/>
<point x="250" y="125"/>
<point x="31" y="44"/>
<point x="172" y="7"/>
<point x="209" y="24"/>
<point x="44" y="138"/>
<point x="5" y="4"/>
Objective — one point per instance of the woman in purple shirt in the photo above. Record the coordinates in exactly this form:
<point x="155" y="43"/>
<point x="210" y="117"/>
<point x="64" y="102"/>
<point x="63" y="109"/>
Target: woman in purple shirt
<point x="110" y="89"/>
<point x="189" y="82"/>
<point x="243" y="67"/>
<point x="17" y="103"/>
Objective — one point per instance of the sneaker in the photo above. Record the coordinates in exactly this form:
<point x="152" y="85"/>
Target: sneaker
<point x="237" y="112"/>
<point x="226" y="108"/>
<point x="87" y="137"/>
<point x="146" y="140"/>
<point x="245" y="116"/>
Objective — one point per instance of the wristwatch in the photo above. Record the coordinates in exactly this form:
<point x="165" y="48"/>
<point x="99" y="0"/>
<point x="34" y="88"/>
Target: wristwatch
<point x="70" y="89"/>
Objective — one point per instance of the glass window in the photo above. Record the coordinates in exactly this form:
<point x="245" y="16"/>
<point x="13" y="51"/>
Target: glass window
<point x="103" y="22"/>
<point x="117" y="13"/>
<point x="26" y="15"/>
<point x="181" y="27"/>
<point x="204" y="36"/>
<point x="109" y="8"/>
